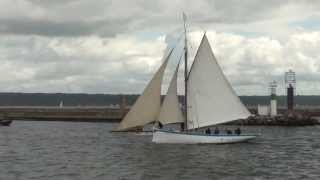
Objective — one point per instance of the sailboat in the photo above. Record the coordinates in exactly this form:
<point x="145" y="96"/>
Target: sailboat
<point x="209" y="100"/>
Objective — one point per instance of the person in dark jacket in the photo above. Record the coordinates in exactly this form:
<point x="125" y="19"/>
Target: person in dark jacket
<point x="237" y="131"/>
<point x="160" y="125"/>
<point x="208" y="131"/>
<point x="216" y="130"/>
<point x="182" y="126"/>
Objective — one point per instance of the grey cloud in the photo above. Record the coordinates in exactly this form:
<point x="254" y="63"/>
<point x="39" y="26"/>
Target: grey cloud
<point x="29" y="63"/>
<point x="107" y="18"/>
<point x="45" y="28"/>
<point x="43" y="68"/>
<point x="47" y="3"/>
<point x="61" y="29"/>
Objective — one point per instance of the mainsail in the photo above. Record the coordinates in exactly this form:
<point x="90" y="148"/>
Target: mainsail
<point x="170" y="110"/>
<point x="211" y="99"/>
<point x="146" y="108"/>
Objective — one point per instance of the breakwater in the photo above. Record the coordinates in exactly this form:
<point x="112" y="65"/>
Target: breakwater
<point x="71" y="113"/>
<point x="301" y="116"/>
<point x="281" y="120"/>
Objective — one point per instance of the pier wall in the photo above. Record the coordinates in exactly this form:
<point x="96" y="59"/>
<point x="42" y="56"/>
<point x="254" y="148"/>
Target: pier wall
<point x="84" y="113"/>
<point x="97" y="113"/>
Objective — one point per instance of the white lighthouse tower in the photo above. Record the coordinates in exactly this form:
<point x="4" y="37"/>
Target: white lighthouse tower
<point x="273" y="98"/>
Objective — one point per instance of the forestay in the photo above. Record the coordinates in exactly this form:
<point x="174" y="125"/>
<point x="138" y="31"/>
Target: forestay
<point x="170" y="110"/>
<point x="211" y="99"/>
<point x="147" y="107"/>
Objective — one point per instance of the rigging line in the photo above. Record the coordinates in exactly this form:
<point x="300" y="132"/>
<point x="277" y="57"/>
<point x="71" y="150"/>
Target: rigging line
<point x="177" y="43"/>
<point x="181" y="35"/>
<point x="181" y="55"/>
<point x="185" y="73"/>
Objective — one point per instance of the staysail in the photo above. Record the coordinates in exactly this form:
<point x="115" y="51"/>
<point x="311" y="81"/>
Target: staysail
<point x="211" y="99"/>
<point x="170" y="110"/>
<point x="146" y="108"/>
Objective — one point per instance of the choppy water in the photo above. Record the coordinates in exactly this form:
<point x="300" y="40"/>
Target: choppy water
<point x="64" y="150"/>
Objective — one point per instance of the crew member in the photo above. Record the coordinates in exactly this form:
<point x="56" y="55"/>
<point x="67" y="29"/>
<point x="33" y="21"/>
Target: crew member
<point x="160" y="125"/>
<point x="237" y="131"/>
<point x="208" y="131"/>
<point x="216" y="130"/>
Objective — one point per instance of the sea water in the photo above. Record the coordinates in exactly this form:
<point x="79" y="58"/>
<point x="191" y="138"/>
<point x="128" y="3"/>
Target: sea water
<point x="66" y="150"/>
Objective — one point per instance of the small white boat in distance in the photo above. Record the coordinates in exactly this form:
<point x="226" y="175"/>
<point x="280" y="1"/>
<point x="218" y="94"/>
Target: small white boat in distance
<point x="171" y="137"/>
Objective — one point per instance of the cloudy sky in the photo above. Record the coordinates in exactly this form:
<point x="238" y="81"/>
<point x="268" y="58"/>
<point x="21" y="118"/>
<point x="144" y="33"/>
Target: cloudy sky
<point x="114" y="46"/>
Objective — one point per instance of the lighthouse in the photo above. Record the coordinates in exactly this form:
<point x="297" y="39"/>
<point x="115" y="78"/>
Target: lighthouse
<point x="290" y="81"/>
<point x="273" y="98"/>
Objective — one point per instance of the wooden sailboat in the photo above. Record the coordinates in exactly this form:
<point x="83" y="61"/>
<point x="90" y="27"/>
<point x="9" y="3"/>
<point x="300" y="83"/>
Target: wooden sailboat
<point x="209" y="100"/>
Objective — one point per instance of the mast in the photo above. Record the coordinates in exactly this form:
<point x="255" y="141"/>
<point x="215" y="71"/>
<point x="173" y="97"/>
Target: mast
<point x="185" y="74"/>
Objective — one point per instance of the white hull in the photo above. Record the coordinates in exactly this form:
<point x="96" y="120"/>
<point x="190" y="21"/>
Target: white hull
<point x="143" y="133"/>
<point x="160" y="136"/>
